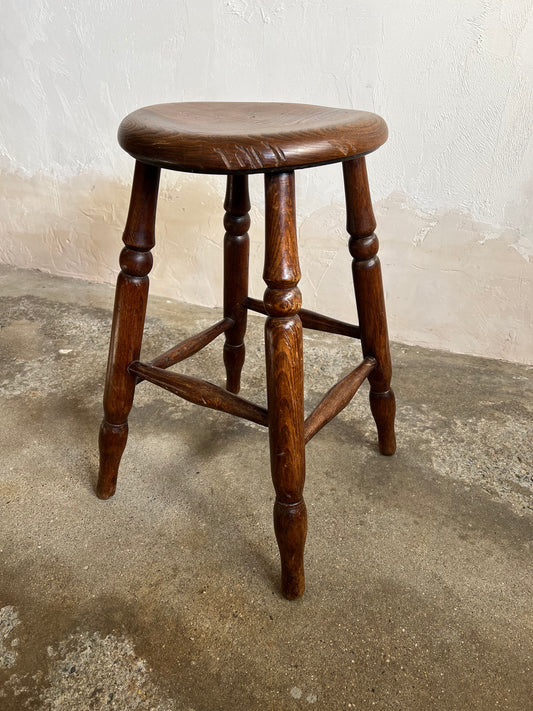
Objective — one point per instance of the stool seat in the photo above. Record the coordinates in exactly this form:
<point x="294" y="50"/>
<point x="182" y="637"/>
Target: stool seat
<point x="230" y="137"/>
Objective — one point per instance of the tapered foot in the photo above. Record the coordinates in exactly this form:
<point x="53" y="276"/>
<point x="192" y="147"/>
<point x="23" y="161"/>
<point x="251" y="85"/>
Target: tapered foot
<point x="112" y="441"/>
<point x="383" y="406"/>
<point x="290" y="526"/>
<point x="233" y="362"/>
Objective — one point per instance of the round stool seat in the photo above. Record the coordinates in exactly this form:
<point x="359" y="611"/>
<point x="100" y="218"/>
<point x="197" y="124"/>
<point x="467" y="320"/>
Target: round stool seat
<point x="230" y="137"/>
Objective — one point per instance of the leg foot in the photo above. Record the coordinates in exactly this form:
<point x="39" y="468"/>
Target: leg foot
<point x="383" y="406"/>
<point x="112" y="441"/>
<point x="290" y="526"/>
<point x="233" y="362"/>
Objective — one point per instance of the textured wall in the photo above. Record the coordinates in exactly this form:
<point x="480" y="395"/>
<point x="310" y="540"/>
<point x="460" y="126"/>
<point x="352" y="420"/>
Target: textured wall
<point x="453" y="187"/>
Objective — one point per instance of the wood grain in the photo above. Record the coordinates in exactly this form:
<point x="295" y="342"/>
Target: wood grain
<point x="128" y="322"/>
<point x="337" y="398"/>
<point x="231" y="137"/>
<point x="188" y="347"/>
<point x="366" y="271"/>
<point x="284" y="361"/>
<point x="236" y="254"/>
<point x="236" y="139"/>
<point x="312" y="320"/>
<point x="200" y="392"/>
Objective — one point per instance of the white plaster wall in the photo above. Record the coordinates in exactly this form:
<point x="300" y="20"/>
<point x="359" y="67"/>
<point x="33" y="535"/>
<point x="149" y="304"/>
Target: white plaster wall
<point x="453" y="186"/>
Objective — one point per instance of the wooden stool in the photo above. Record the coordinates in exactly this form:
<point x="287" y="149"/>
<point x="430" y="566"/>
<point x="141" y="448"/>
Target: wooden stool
<point x="236" y="139"/>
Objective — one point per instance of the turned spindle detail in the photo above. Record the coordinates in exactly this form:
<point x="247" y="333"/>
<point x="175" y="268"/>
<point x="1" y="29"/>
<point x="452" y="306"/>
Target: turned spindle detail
<point x="236" y="139"/>
<point x="284" y="360"/>
<point x="366" y="271"/>
<point x="236" y="252"/>
<point x="128" y="322"/>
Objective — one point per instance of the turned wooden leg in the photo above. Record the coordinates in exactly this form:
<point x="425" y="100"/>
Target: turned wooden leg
<point x="236" y="251"/>
<point x="284" y="361"/>
<point x="128" y="322"/>
<point x="368" y="287"/>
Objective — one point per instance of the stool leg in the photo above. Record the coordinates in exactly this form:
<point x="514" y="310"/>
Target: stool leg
<point x="284" y="361"/>
<point x="368" y="287"/>
<point x="128" y="322"/>
<point x="236" y="251"/>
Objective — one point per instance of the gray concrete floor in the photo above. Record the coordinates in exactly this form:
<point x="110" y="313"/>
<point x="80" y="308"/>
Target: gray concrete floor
<point x="419" y="578"/>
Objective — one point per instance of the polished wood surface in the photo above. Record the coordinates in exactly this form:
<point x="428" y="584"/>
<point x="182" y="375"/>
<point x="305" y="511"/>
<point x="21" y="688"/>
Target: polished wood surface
<point x="237" y="139"/>
<point x="285" y="384"/>
<point x="200" y="392"/>
<point x="187" y="348"/>
<point x="337" y="398"/>
<point x="128" y="323"/>
<point x="236" y="254"/>
<point x="312" y="320"/>
<point x="228" y="137"/>
<point x="366" y="271"/>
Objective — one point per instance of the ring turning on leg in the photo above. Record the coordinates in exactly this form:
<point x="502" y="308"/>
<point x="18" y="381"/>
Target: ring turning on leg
<point x="236" y="251"/>
<point x="284" y="361"/>
<point x="368" y="286"/>
<point x="128" y="322"/>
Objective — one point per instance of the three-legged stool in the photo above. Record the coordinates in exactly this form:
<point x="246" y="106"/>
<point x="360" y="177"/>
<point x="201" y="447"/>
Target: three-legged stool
<point x="236" y="139"/>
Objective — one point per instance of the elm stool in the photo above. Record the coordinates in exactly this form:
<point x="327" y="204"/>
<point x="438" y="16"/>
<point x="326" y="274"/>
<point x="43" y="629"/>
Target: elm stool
<point x="237" y="139"/>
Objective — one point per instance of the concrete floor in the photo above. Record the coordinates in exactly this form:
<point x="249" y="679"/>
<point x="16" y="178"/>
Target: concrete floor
<point x="419" y="577"/>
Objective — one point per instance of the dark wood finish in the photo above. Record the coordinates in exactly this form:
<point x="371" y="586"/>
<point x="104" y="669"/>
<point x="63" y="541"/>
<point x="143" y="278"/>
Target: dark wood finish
<point x="201" y="392"/>
<point x="370" y="300"/>
<point x="284" y="360"/>
<point x="187" y="348"/>
<point x="236" y="139"/>
<point x="219" y="137"/>
<point x="128" y="323"/>
<point x="337" y="398"/>
<point x="312" y="320"/>
<point x="236" y="254"/>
